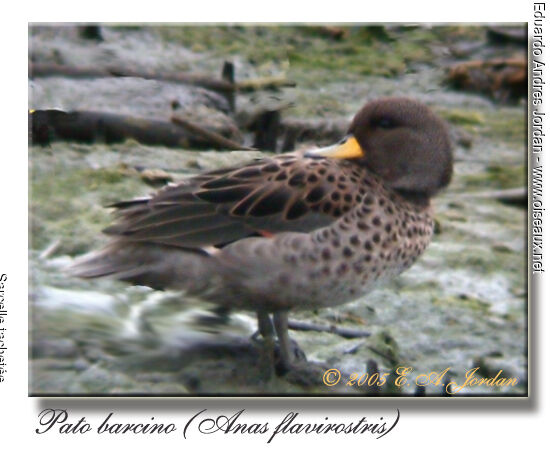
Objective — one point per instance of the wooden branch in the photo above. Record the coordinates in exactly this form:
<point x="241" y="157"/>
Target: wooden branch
<point x="266" y="123"/>
<point x="347" y="333"/>
<point x="501" y="79"/>
<point x="224" y="85"/>
<point x="228" y="74"/>
<point x="267" y="83"/>
<point x="215" y="139"/>
<point x="46" y="126"/>
<point x="49" y="70"/>
<point x="267" y="130"/>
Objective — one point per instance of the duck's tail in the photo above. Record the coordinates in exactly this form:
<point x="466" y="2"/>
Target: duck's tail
<point x="155" y="266"/>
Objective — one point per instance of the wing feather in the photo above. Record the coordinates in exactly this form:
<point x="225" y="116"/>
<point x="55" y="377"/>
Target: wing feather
<point x="270" y="195"/>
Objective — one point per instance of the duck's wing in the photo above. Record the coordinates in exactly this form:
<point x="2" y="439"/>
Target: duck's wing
<point x="266" y="196"/>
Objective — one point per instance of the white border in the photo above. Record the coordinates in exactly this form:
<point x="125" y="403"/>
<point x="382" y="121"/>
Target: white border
<point x="456" y="424"/>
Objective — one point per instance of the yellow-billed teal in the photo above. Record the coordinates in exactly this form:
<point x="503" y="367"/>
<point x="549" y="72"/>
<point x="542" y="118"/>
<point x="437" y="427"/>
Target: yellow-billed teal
<point x="295" y="231"/>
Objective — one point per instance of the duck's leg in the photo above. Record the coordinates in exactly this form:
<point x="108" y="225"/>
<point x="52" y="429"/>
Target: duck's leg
<point x="292" y="361"/>
<point x="280" y="320"/>
<point x="265" y="328"/>
<point x="289" y="352"/>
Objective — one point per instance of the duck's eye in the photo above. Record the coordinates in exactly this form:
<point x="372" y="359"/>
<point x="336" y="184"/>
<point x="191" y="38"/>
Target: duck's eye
<point x="384" y="122"/>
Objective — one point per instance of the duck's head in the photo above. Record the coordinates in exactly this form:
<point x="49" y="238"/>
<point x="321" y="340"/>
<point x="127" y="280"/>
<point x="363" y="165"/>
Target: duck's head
<point x="401" y="141"/>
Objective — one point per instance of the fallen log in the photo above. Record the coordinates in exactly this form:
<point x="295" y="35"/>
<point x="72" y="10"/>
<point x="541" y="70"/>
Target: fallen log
<point x="267" y="124"/>
<point x="46" y="126"/>
<point x="502" y="79"/>
<point x="267" y="130"/>
<point x="347" y="333"/>
<point x="228" y="74"/>
<point x="215" y="139"/>
<point x="51" y="70"/>
<point x="267" y="83"/>
<point x="224" y="85"/>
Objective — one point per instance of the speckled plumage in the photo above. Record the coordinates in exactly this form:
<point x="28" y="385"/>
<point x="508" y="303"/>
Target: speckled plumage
<point x="295" y="231"/>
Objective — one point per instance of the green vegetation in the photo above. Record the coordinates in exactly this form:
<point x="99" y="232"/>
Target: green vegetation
<point x="299" y="50"/>
<point x="497" y="177"/>
<point x="59" y="197"/>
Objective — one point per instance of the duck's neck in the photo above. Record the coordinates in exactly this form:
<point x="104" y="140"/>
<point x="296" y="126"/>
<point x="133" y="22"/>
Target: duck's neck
<point x="418" y="198"/>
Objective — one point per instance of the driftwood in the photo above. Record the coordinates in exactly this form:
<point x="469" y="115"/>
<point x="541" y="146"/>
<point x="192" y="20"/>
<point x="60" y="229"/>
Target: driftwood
<point x="228" y="75"/>
<point x="264" y="120"/>
<point x="266" y="83"/>
<point x="215" y="139"/>
<point x="224" y="85"/>
<point x="268" y="125"/>
<point x="49" y="70"/>
<point x="502" y="79"/>
<point x="46" y="126"/>
<point x="347" y="333"/>
<point x="267" y="130"/>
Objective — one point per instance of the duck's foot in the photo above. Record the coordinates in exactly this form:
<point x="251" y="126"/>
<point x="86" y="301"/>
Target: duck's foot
<point x="270" y="360"/>
<point x="276" y="357"/>
<point x="297" y="358"/>
<point x="291" y="361"/>
<point x="289" y="358"/>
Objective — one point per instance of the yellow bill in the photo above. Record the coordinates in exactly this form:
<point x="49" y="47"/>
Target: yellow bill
<point x="348" y="149"/>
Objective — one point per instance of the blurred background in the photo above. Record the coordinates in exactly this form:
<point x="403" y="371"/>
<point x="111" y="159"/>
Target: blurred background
<point x="119" y="111"/>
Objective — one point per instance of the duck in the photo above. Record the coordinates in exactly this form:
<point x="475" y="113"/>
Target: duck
<point x="295" y="231"/>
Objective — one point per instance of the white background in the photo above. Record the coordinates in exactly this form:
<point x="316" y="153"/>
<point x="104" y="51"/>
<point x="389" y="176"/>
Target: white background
<point x="449" y="423"/>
